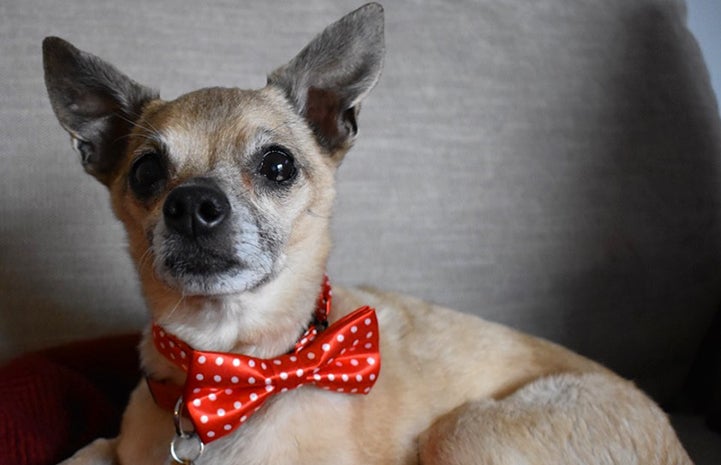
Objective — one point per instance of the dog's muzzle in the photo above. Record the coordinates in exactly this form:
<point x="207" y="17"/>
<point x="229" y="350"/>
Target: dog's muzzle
<point x="207" y="244"/>
<point x="197" y="220"/>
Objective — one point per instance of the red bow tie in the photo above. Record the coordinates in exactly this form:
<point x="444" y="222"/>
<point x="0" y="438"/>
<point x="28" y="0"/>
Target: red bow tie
<point x="223" y="390"/>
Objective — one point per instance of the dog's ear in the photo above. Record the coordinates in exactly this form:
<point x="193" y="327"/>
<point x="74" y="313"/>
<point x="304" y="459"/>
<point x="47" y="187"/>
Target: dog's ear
<point x="94" y="102"/>
<point x="327" y="80"/>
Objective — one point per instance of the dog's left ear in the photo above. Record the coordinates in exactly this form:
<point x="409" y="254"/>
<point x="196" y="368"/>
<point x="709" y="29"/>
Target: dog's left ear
<point x="327" y="80"/>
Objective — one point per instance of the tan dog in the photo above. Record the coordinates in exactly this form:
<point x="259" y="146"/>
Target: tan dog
<point x="226" y="196"/>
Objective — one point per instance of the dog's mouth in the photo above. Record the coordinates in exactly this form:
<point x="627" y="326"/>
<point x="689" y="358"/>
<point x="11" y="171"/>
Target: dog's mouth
<point x="196" y="270"/>
<point x="194" y="259"/>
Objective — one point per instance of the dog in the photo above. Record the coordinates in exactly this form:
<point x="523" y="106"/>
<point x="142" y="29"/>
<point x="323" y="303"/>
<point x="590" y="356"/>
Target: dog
<point x="251" y="356"/>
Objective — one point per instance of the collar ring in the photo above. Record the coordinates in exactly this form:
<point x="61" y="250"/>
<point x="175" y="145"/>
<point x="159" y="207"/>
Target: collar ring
<point x="182" y="437"/>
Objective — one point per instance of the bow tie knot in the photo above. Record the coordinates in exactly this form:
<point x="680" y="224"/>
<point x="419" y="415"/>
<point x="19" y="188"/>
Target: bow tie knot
<point x="223" y="390"/>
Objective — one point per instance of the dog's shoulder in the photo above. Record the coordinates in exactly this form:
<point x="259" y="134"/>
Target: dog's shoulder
<point x="429" y="334"/>
<point x="406" y="314"/>
<point x="394" y="310"/>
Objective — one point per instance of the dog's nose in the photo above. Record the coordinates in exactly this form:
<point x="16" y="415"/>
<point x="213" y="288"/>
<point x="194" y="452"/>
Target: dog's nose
<point x="196" y="209"/>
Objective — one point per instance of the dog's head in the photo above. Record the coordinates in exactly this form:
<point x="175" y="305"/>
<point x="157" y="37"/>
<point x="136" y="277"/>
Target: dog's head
<point x="222" y="190"/>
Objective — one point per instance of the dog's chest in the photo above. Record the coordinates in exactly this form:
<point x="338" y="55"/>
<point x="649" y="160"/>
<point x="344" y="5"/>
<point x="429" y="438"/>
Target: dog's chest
<point x="304" y="426"/>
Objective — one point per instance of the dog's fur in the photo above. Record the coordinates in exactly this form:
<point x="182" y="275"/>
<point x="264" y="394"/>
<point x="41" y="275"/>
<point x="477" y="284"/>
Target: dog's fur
<point x="454" y="389"/>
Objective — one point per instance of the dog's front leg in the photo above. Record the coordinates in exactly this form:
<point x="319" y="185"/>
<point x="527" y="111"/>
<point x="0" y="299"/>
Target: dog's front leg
<point x="98" y="452"/>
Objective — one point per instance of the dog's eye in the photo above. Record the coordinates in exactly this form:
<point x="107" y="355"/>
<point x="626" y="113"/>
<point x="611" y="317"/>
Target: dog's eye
<point x="277" y="165"/>
<point x="147" y="175"/>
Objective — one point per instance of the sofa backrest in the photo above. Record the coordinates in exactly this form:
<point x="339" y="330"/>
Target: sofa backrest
<point x="552" y="165"/>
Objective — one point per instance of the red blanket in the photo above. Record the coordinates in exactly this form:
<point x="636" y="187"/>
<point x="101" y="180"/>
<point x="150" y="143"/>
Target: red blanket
<point x="55" y="401"/>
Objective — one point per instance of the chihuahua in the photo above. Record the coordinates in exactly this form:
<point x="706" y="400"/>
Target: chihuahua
<point x="250" y="356"/>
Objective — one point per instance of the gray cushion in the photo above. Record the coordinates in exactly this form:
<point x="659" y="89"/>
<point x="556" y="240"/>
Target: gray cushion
<point x="552" y="165"/>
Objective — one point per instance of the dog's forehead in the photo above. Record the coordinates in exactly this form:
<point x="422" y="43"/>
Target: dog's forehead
<point x="208" y="123"/>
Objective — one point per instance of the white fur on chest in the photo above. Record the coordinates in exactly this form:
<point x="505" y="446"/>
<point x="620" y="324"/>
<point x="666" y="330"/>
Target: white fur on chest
<point x="307" y="424"/>
<point x="304" y="426"/>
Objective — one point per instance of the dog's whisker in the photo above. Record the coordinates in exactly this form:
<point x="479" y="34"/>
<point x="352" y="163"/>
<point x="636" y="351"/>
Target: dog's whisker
<point x="316" y="215"/>
<point x="145" y="258"/>
<point x="146" y="131"/>
<point x="139" y="135"/>
<point x="177" y="304"/>
<point x="150" y="129"/>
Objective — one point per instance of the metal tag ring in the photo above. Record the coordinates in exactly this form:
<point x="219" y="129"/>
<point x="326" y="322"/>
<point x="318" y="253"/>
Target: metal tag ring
<point x="187" y="437"/>
<point x="182" y="435"/>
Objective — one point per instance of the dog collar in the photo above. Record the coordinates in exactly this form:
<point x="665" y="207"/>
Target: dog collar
<point x="222" y="390"/>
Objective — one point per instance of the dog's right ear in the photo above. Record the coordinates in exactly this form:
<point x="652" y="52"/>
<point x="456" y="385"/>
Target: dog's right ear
<point x="94" y="102"/>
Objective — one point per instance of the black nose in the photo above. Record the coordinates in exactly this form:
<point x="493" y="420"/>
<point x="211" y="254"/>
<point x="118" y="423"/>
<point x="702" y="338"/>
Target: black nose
<point x="196" y="209"/>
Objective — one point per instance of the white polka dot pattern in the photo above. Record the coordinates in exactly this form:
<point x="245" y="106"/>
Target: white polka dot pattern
<point x="223" y="390"/>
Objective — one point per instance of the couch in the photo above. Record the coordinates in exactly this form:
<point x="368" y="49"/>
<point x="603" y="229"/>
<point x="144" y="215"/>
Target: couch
<point x="552" y="165"/>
